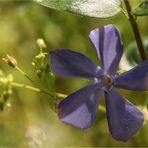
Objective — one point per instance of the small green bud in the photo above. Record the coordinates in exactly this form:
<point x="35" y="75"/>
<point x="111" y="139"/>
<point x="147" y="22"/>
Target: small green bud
<point x="33" y="63"/>
<point x="39" y="73"/>
<point x="10" y="61"/>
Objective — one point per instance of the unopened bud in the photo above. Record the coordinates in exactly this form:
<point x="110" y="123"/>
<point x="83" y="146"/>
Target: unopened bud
<point x="39" y="73"/>
<point x="40" y="42"/>
<point x="10" y="61"/>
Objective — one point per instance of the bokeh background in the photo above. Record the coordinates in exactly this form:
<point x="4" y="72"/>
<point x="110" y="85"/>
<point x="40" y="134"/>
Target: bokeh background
<point x="27" y="120"/>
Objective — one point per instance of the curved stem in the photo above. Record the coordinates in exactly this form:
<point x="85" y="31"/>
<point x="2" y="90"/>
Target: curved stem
<point x="135" y="30"/>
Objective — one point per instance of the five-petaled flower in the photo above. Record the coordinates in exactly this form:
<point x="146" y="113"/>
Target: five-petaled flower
<point x="79" y="109"/>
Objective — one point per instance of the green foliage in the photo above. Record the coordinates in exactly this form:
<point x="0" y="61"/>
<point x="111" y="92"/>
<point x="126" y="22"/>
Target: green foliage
<point x="141" y="9"/>
<point x="1" y="105"/>
<point x="44" y="73"/>
<point x="48" y="80"/>
<point x="132" y="54"/>
<point x="38" y="63"/>
<point x="92" y="8"/>
<point x="24" y="22"/>
<point x="5" y="89"/>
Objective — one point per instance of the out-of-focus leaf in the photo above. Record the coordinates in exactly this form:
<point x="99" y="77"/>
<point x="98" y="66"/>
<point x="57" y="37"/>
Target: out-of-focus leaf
<point x="1" y="105"/>
<point x="92" y="8"/>
<point x="48" y="79"/>
<point x="132" y="53"/>
<point x="147" y="104"/>
<point x="142" y="9"/>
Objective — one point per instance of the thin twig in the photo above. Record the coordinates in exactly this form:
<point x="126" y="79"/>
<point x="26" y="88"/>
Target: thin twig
<point x="38" y="90"/>
<point x="22" y="72"/>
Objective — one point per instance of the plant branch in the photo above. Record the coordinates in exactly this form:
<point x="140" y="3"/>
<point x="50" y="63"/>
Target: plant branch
<point x="38" y="90"/>
<point x="22" y="72"/>
<point x="101" y="108"/>
<point x="59" y="95"/>
<point x="136" y="31"/>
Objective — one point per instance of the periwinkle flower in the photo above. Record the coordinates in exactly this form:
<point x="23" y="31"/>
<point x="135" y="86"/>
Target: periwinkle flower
<point x="79" y="109"/>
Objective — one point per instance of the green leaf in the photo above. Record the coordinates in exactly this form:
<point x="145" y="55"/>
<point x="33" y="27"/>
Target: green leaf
<point x="132" y="53"/>
<point x="141" y="10"/>
<point x="48" y="79"/>
<point x="92" y="8"/>
<point x="1" y="105"/>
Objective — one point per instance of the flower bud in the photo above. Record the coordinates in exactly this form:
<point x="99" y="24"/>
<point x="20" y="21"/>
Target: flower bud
<point x="10" y="61"/>
<point x="40" y="42"/>
<point x="39" y="73"/>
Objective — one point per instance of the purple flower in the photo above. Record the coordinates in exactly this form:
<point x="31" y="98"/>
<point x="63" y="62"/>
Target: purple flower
<point x="79" y="109"/>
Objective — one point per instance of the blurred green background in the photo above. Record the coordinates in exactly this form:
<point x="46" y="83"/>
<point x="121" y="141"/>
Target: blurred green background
<point x="27" y="120"/>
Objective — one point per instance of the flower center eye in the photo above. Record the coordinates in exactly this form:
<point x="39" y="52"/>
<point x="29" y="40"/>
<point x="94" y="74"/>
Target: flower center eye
<point x="107" y="79"/>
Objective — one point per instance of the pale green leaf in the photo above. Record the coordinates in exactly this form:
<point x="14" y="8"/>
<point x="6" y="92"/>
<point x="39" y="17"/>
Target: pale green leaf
<point x="92" y="8"/>
<point x="142" y="9"/>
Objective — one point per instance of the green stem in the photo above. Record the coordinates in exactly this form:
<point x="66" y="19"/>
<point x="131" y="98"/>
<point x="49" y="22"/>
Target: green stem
<point x="38" y="90"/>
<point x="135" y="30"/>
<point x="41" y="50"/>
<point x="101" y="108"/>
<point x="22" y="72"/>
<point x="59" y="95"/>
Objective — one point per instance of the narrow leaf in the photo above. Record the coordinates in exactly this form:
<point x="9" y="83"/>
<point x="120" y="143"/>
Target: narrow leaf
<point x="142" y="9"/>
<point x="48" y="80"/>
<point x="92" y="8"/>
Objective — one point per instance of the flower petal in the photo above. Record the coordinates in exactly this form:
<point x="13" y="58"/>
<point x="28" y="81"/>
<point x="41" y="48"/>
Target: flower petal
<point x="134" y="79"/>
<point x="108" y="44"/>
<point x="68" y="63"/>
<point x="80" y="108"/>
<point x="124" y="119"/>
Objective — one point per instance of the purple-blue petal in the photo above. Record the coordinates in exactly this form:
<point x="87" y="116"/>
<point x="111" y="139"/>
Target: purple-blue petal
<point x="134" y="79"/>
<point x="80" y="108"/>
<point x="124" y="119"/>
<point x="108" y="44"/>
<point x="68" y="63"/>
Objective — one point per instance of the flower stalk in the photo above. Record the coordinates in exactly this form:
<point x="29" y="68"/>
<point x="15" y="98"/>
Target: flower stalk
<point x="135" y="31"/>
<point x="59" y="95"/>
<point x="38" y="90"/>
<point x="22" y="72"/>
